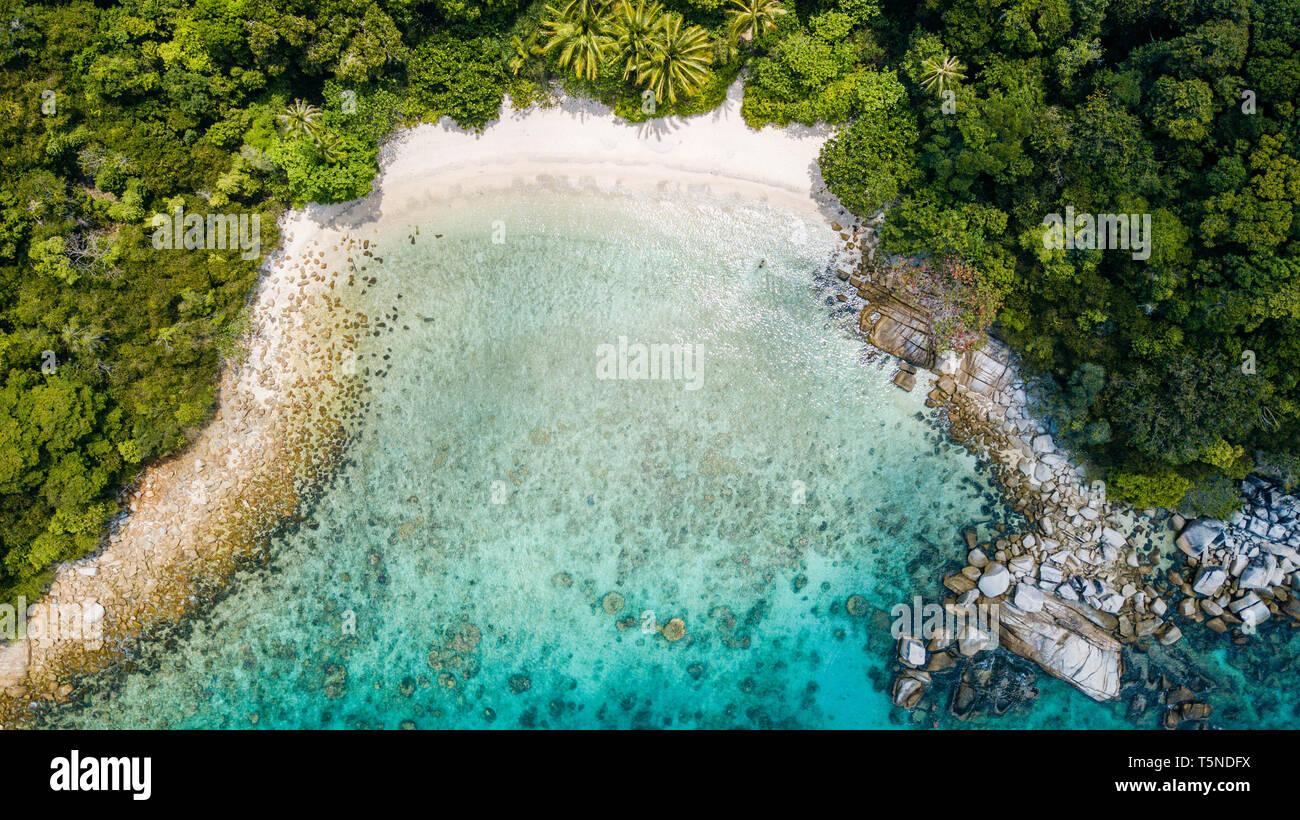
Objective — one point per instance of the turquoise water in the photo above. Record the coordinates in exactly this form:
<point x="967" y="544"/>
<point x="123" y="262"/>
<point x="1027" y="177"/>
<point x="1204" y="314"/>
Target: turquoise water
<point x="453" y="573"/>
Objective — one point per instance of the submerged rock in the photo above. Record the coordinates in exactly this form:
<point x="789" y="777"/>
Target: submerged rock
<point x="612" y="603"/>
<point x="674" y="630"/>
<point x="909" y="687"/>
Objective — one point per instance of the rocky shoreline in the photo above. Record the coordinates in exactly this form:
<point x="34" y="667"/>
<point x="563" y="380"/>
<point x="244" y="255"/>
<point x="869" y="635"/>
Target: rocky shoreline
<point x="193" y="520"/>
<point x="1247" y="569"/>
<point x="1083" y="593"/>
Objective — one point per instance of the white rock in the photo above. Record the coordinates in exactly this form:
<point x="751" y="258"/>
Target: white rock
<point x="1245" y="601"/>
<point x="1021" y="566"/>
<point x="1256" y="613"/>
<point x="1209" y="580"/>
<point x="1239" y="564"/>
<point x="1113" y="537"/>
<point x="1254" y="577"/>
<point x="1111" y="603"/>
<point x="995" y="580"/>
<point x="1028" y="598"/>
<point x="911" y="652"/>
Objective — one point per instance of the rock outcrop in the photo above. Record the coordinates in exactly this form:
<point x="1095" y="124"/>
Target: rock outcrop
<point x="903" y="330"/>
<point x="1066" y="644"/>
<point x="1075" y="587"/>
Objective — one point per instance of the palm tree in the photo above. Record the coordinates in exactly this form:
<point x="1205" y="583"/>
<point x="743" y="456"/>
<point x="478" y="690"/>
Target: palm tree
<point x="634" y="30"/>
<point x="329" y="146"/>
<point x="78" y="339"/>
<point x="748" y="19"/>
<point x="679" y="62"/>
<point x="940" y="74"/>
<point x="298" y="119"/>
<point x="525" y="50"/>
<point x="579" y="31"/>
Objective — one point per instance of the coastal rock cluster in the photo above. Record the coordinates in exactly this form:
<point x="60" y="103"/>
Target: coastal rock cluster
<point x="1082" y="583"/>
<point x="1072" y="591"/>
<point x="1075" y="587"/>
<point x="1246" y="570"/>
<point x="1064" y="587"/>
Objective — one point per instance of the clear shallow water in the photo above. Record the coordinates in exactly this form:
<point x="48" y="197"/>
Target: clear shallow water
<point x="453" y="574"/>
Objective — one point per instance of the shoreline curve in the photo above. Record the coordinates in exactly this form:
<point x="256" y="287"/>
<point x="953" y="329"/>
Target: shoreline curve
<point x="282" y="409"/>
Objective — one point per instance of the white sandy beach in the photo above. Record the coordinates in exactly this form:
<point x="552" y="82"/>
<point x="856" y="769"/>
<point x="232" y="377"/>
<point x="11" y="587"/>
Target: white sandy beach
<point x="582" y="142"/>
<point x="196" y="511"/>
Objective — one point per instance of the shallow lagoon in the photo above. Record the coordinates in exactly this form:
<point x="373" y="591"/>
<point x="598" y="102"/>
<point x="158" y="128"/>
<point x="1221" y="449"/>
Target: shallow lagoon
<point x="456" y="571"/>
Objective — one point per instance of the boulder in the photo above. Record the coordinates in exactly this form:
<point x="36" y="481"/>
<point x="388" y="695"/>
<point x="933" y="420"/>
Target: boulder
<point x="1200" y="535"/>
<point x="973" y="641"/>
<point x="1209" y="580"/>
<point x="1021" y="565"/>
<point x="905" y="380"/>
<point x="1255" y="576"/>
<point x="958" y="583"/>
<point x="911" y="652"/>
<point x="1051" y="574"/>
<point x="909" y="687"/>
<point x="995" y="580"/>
<point x="1245" y="601"/>
<point x="1067" y="645"/>
<point x="1028" y="598"/>
<point x="1254" y="614"/>
<point x="939" y="662"/>
<point x="1169" y="634"/>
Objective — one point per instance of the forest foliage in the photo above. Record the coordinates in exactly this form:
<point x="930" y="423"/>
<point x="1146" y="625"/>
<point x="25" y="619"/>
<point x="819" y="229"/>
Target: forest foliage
<point x="1174" y="375"/>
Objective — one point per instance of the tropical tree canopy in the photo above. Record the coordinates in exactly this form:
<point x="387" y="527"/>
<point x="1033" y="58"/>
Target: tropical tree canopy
<point x="679" y="61"/>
